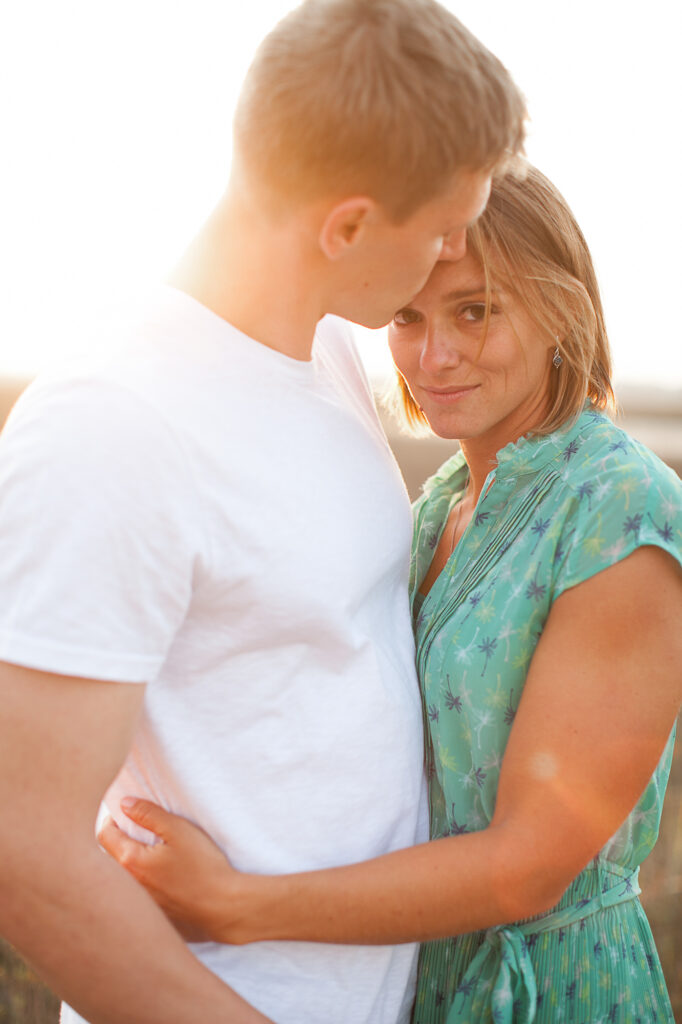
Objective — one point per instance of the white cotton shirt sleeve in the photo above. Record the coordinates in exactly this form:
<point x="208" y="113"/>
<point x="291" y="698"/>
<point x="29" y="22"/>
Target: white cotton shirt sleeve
<point x="96" y="557"/>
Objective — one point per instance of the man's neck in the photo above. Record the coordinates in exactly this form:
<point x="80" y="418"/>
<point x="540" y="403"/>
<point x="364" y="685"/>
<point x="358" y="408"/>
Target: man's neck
<point x="254" y="275"/>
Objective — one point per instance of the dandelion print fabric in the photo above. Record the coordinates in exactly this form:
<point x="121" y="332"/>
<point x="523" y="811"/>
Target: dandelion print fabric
<point x="555" y="511"/>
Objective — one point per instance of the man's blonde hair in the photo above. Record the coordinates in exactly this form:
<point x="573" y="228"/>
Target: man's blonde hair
<point x="529" y="244"/>
<point x="386" y="98"/>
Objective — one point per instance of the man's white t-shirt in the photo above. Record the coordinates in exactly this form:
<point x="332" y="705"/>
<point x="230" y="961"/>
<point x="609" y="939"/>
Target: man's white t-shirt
<point x="227" y="524"/>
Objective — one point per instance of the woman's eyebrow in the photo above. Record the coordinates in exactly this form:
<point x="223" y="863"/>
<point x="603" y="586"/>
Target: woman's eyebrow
<point x="462" y="293"/>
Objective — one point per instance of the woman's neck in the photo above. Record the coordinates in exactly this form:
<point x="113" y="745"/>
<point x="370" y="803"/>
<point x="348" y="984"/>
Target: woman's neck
<point x="481" y="452"/>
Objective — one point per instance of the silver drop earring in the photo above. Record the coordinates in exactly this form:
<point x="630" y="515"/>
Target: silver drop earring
<point x="556" y="358"/>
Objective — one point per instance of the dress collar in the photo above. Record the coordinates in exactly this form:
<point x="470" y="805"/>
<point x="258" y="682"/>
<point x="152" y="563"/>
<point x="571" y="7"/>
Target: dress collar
<point x="527" y="456"/>
<point x="531" y="454"/>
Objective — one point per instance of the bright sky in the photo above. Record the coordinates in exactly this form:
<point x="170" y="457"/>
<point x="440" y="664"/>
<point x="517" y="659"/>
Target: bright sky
<point x="115" y="132"/>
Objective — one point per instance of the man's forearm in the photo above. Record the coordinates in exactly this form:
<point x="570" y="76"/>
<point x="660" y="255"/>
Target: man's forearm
<point x="100" y="942"/>
<point x="90" y="930"/>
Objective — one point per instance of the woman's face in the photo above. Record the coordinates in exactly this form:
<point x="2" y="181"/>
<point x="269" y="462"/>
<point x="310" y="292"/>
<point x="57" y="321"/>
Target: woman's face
<point x="498" y="391"/>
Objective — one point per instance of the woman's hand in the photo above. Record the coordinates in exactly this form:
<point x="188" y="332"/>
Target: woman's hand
<point x="600" y="700"/>
<point x="185" y="873"/>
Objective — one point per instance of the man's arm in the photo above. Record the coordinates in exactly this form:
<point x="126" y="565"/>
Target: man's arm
<point x="90" y="930"/>
<point x="598" y="705"/>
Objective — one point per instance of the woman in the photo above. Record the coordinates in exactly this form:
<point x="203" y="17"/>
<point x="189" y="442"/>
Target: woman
<point x="546" y="590"/>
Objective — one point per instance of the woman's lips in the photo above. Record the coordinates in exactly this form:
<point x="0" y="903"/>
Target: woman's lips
<point x="447" y="396"/>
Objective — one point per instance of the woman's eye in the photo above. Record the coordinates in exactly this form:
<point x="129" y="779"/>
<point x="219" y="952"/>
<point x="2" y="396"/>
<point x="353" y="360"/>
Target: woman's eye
<point x="405" y="317"/>
<point x="474" y="312"/>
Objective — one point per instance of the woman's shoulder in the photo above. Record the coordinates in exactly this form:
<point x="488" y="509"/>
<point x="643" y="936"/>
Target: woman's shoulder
<point x="619" y="496"/>
<point x="601" y="455"/>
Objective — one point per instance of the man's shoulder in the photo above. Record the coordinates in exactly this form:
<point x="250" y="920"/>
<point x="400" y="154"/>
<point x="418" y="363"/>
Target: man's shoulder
<point x="331" y="329"/>
<point x="81" y="396"/>
<point x="91" y="418"/>
<point x="140" y="369"/>
<point x="336" y="346"/>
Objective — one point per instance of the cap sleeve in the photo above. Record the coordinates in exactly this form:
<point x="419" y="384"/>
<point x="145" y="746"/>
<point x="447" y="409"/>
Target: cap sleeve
<point x="627" y="500"/>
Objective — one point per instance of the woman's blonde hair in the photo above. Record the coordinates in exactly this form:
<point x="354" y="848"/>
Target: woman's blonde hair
<point x="529" y="244"/>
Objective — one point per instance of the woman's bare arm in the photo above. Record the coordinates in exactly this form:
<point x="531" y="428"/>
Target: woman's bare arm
<point x="601" y="697"/>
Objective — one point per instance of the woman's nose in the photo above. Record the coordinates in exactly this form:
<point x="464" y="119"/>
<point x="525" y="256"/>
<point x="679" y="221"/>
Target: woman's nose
<point x="439" y="351"/>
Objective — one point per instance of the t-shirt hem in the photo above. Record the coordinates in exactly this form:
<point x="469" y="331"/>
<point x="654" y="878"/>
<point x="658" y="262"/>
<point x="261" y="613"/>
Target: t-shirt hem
<point x="63" y="659"/>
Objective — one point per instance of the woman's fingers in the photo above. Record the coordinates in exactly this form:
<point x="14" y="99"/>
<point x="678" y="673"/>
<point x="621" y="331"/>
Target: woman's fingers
<point x="138" y="859"/>
<point x="128" y="852"/>
<point x="148" y="815"/>
<point x="184" y="873"/>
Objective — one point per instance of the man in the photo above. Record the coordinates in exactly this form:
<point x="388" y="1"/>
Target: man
<point x="212" y="511"/>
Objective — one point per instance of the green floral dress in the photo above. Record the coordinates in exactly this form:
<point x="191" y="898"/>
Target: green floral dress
<point x="555" y="511"/>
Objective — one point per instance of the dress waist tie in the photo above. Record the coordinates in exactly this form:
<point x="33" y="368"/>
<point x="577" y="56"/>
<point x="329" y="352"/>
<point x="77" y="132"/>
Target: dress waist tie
<point x="499" y="984"/>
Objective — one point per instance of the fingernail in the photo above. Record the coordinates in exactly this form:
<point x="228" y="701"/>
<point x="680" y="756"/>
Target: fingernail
<point x="127" y="802"/>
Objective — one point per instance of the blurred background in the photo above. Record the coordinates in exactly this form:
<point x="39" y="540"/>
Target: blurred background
<point x="115" y="125"/>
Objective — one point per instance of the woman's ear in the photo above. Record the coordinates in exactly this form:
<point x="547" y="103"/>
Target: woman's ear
<point x="345" y="225"/>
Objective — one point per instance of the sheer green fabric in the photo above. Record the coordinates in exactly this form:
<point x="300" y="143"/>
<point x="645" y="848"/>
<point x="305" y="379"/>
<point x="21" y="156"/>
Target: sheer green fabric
<point x="555" y="511"/>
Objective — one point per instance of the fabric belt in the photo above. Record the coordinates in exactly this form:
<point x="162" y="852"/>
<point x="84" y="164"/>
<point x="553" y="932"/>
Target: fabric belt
<point x="499" y="983"/>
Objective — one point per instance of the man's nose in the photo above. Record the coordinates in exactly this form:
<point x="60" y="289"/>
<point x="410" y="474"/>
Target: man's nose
<point x="454" y="246"/>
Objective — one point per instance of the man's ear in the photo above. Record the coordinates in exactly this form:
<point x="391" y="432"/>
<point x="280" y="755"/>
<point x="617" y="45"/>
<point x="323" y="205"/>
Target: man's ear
<point x="345" y="225"/>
